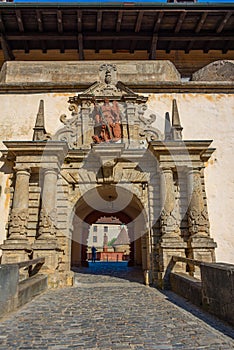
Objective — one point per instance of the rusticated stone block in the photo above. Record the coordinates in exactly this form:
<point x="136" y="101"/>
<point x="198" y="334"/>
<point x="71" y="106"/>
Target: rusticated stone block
<point x="222" y="70"/>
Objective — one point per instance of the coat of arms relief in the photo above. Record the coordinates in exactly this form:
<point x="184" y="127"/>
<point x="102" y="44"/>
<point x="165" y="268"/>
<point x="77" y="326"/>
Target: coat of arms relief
<point x="108" y="112"/>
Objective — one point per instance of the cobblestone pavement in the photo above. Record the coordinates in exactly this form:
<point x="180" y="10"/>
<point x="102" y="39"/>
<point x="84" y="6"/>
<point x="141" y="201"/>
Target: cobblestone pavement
<point x="109" y="309"/>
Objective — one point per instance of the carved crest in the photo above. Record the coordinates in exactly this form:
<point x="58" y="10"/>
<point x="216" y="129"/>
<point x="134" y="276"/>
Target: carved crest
<point x="108" y="111"/>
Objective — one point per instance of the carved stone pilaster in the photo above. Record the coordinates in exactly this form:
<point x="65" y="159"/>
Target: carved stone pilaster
<point x="169" y="214"/>
<point x="18" y="223"/>
<point x="47" y="224"/>
<point x="200" y="245"/>
<point x="198" y="221"/>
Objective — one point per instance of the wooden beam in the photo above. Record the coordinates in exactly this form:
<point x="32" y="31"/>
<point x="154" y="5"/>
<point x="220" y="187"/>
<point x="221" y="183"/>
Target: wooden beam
<point x="169" y="46"/>
<point x="224" y="21"/>
<point x="114" y="46"/>
<point x="201" y="22"/>
<point x="158" y="21"/>
<point x="43" y="46"/>
<point x="80" y="46"/>
<point x="153" y="48"/>
<point x="79" y="21"/>
<point x="189" y="46"/>
<point x="206" y="46"/>
<point x="60" y="21"/>
<point x="99" y="21"/>
<point x="121" y="36"/>
<point x="2" y="27"/>
<point x="180" y="22"/>
<point x="119" y="21"/>
<point x="39" y="20"/>
<point x="19" y="20"/>
<point x="132" y="46"/>
<point x="138" y="22"/>
<point x="226" y="47"/>
<point x="7" y="53"/>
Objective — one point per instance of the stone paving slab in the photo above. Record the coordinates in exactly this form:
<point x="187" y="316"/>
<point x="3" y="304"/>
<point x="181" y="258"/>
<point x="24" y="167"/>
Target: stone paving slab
<point x="98" y="315"/>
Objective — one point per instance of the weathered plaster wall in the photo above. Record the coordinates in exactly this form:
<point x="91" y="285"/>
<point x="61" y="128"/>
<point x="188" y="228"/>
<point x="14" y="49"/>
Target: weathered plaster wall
<point x="203" y="116"/>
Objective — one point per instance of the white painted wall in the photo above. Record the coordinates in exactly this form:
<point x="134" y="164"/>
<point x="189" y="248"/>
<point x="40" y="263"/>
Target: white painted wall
<point x="203" y="116"/>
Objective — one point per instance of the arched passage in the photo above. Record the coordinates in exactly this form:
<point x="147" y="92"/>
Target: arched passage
<point x="108" y="200"/>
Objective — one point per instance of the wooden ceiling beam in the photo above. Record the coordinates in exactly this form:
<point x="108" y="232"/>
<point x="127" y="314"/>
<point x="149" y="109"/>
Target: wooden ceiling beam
<point x="206" y="46"/>
<point x="80" y="47"/>
<point x="121" y="36"/>
<point x="119" y="21"/>
<point x="201" y="22"/>
<point x="99" y="21"/>
<point x="158" y="21"/>
<point x="39" y="20"/>
<point x="189" y="47"/>
<point x="138" y="22"/>
<point x="180" y="22"/>
<point x="7" y="52"/>
<point x="2" y="26"/>
<point x="226" y="47"/>
<point x="60" y="21"/>
<point x="152" y="55"/>
<point x="169" y="46"/>
<point x="19" y="20"/>
<point x="43" y="46"/>
<point x="224" y="22"/>
<point x="79" y="21"/>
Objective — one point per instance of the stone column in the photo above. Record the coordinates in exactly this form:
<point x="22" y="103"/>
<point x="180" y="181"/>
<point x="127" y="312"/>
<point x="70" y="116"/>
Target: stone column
<point x="19" y="213"/>
<point x="201" y="246"/>
<point x="17" y="248"/>
<point x="171" y="242"/>
<point x="48" y="213"/>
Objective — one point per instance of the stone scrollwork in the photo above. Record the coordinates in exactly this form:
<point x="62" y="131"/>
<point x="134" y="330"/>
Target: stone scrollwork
<point x="170" y="222"/>
<point x="47" y="224"/>
<point x="18" y="223"/>
<point x="198" y="222"/>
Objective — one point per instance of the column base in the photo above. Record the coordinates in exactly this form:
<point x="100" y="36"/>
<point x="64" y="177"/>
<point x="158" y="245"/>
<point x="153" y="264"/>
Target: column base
<point x="201" y="248"/>
<point x="15" y="250"/>
<point x="168" y="247"/>
<point x="52" y="267"/>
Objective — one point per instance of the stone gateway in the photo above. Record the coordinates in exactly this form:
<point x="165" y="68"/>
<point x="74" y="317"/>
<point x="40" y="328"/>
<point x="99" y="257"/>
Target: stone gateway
<point x="115" y="154"/>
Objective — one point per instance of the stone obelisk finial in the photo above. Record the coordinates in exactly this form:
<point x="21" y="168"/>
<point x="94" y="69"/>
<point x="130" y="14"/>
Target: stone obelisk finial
<point x="167" y="128"/>
<point x="39" y="133"/>
<point x="176" y="126"/>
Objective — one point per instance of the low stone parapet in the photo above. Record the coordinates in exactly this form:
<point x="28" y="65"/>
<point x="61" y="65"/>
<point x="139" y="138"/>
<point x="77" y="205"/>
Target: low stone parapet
<point x="214" y="292"/>
<point x="15" y="293"/>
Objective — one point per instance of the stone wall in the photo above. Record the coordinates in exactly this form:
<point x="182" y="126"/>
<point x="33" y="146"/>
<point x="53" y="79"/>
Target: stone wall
<point x="204" y="116"/>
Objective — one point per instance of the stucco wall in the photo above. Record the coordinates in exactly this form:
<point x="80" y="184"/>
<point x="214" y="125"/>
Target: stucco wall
<point x="204" y="116"/>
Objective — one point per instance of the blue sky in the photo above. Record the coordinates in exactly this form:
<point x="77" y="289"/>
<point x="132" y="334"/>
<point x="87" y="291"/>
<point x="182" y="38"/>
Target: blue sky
<point x="118" y="1"/>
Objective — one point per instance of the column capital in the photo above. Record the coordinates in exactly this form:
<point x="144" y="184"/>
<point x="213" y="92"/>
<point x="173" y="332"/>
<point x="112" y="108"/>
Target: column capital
<point x="193" y="170"/>
<point x="24" y="170"/>
<point x="48" y="170"/>
<point x="166" y="169"/>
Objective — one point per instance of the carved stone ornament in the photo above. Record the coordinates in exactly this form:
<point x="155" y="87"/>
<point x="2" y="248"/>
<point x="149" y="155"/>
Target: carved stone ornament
<point x="198" y="222"/>
<point x="18" y="223"/>
<point x="108" y="111"/>
<point x="170" y="223"/>
<point x="47" y="224"/>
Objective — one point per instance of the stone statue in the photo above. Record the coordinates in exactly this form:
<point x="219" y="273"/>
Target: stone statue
<point x="107" y="122"/>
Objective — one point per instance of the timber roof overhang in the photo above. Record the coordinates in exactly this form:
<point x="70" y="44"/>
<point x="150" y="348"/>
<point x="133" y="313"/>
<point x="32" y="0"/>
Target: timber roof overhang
<point x="120" y="27"/>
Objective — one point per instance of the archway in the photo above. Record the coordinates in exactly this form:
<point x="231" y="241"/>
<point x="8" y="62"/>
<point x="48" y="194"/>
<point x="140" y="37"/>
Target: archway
<point x="108" y="201"/>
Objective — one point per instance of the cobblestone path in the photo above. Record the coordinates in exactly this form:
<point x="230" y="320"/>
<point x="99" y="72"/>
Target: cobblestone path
<point x="111" y="310"/>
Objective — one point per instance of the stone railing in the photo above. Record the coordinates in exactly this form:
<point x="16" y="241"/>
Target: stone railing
<point x="18" y="288"/>
<point x="213" y="291"/>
